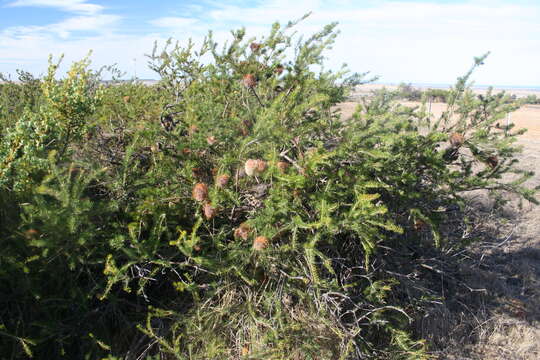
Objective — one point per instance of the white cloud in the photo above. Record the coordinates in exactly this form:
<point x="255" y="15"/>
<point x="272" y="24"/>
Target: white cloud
<point x="173" y="22"/>
<point x="76" y="6"/>
<point x="98" y="23"/>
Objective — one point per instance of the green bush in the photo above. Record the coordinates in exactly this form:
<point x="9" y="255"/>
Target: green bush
<point x="228" y="212"/>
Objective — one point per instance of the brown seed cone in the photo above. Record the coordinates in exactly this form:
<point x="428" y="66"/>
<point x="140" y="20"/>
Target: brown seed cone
<point x="249" y="81"/>
<point x="197" y="172"/>
<point x="456" y="140"/>
<point x="492" y="161"/>
<point x="419" y="225"/>
<point x="31" y="233"/>
<point x="193" y="129"/>
<point x="282" y="166"/>
<point x="251" y="167"/>
<point x="209" y="211"/>
<point x="242" y="231"/>
<point x="200" y="192"/>
<point x="211" y="140"/>
<point x="261" y="166"/>
<point x="222" y="180"/>
<point x="260" y="243"/>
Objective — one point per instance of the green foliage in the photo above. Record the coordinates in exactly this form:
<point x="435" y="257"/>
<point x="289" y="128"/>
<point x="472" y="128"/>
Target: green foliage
<point x="228" y="212"/>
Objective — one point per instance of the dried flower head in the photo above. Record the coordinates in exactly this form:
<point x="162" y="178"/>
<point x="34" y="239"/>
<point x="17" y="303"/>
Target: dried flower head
<point x="126" y="99"/>
<point x="251" y="167"/>
<point x="200" y="192"/>
<point x="31" y="233"/>
<point x="492" y="161"/>
<point x="282" y="166"/>
<point x="260" y="243"/>
<point x="197" y="172"/>
<point x="250" y="81"/>
<point x="261" y="166"/>
<point x="456" y="140"/>
<point x="419" y="225"/>
<point x="255" y="46"/>
<point x="222" y="180"/>
<point x="193" y="129"/>
<point x="242" y="232"/>
<point x="209" y="211"/>
<point x="211" y="140"/>
<point x="279" y="69"/>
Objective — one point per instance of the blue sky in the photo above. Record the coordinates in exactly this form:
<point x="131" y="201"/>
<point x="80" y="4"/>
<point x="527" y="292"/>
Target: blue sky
<point x="399" y="40"/>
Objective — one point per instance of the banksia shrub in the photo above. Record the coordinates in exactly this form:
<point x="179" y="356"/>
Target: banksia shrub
<point x="123" y="245"/>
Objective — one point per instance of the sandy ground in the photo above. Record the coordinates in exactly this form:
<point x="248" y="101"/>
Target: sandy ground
<point x="507" y="324"/>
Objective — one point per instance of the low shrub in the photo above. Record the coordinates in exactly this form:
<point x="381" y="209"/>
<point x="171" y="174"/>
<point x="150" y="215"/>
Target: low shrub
<point x="229" y="212"/>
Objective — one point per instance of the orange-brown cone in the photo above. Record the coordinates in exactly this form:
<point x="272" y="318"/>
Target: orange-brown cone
<point x="242" y="231"/>
<point x="456" y="140"/>
<point x="222" y="180"/>
<point x="209" y="211"/>
<point x="249" y="81"/>
<point x="260" y="243"/>
<point x="200" y="192"/>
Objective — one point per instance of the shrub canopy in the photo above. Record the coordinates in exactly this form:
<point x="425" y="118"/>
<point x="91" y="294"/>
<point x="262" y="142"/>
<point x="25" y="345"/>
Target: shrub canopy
<point x="228" y="211"/>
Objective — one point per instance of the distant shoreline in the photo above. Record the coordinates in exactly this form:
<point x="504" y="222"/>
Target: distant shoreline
<point x="366" y="89"/>
<point x="518" y="91"/>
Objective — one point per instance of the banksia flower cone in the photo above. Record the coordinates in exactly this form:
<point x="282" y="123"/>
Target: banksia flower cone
<point x="211" y="140"/>
<point x="456" y="140"/>
<point x="242" y="232"/>
<point x="251" y="167"/>
<point x="261" y="166"/>
<point x="254" y="46"/>
<point x="255" y="167"/>
<point x="260" y="243"/>
<point x="493" y="161"/>
<point x="222" y="180"/>
<point x="209" y="211"/>
<point x="282" y="166"/>
<point x="249" y="81"/>
<point x="193" y="129"/>
<point x="200" y="192"/>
